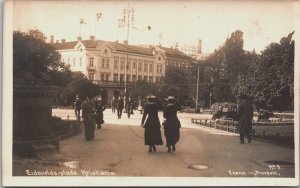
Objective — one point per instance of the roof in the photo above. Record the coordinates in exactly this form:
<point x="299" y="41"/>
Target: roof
<point x="98" y="43"/>
<point x="65" y="45"/>
<point x="174" y="53"/>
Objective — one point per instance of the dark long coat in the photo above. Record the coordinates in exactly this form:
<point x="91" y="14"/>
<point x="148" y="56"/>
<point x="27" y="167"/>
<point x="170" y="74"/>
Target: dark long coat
<point x="99" y="112"/>
<point x="245" y="116"/>
<point x="172" y="124"/>
<point x="152" y="125"/>
<point x="89" y="119"/>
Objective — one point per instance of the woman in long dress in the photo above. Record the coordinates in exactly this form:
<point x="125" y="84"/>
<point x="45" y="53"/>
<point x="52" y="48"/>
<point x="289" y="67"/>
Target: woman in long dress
<point x="152" y="124"/>
<point x="88" y="118"/>
<point x="172" y="123"/>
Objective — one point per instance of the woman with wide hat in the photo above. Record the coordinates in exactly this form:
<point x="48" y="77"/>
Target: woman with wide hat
<point x="152" y="124"/>
<point x="171" y="124"/>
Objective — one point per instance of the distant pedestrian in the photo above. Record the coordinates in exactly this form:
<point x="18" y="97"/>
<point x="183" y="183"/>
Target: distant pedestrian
<point x="152" y="125"/>
<point x="171" y="124"/>
<point x="113" y="104"/>
<point x="140" y="105"/>
<point x="129" y="107"/>
<point x="245" y="116"/>
<point x="99" y="112"/>
<point x="77" y="107"/>
<point x="120" y="106"/>
<point x="88" y="115"/>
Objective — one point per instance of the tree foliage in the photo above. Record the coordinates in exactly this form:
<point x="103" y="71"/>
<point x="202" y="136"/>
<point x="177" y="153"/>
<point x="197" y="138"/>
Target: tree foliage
<point x="36" y="61"/>
<point x="269" y="79"/>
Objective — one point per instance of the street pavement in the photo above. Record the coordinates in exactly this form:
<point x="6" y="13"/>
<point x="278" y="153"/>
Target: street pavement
<point x="119" y="150"/>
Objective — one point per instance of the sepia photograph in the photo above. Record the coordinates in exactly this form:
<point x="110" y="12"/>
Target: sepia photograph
<point x="150" y="93"/>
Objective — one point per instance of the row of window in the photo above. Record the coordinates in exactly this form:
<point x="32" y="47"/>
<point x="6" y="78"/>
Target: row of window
<point x="104" y="77"/>
<point x="177" y="64"/>
<point x="105" y="64"/>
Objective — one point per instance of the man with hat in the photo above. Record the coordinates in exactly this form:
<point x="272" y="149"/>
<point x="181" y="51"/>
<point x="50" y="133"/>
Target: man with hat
<point x="77" y="107"/>
<point x="172" y="123"/>
<point x="245" y="116"/>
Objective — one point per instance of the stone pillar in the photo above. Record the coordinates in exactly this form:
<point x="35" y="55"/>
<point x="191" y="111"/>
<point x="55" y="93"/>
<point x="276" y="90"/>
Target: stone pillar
<point x="32" y="112"/>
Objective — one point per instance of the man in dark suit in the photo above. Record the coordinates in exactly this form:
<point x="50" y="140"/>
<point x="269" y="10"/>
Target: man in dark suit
<point x="245" y="116"/>
<point x="120" y="106"/>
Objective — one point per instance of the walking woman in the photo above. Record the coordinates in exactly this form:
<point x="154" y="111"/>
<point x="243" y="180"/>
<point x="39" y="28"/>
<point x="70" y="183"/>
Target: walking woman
<point x="152" y="124"/>
<point x="88" y="118"/>
<point x="171" y="124"/>
<point x="100" y="107"/>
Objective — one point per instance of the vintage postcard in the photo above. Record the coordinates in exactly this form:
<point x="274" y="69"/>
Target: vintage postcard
<point x="150" y="93"/>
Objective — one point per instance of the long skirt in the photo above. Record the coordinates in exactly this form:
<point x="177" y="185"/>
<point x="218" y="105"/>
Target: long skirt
<point x="172" y="135"/>
<point x="153" y="136"/>
<point x="89" y="131"/>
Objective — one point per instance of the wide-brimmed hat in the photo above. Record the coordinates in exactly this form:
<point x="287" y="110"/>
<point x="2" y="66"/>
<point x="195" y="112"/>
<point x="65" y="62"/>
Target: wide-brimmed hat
<point x="151" y="96"/>
<point x="171" y="98"/>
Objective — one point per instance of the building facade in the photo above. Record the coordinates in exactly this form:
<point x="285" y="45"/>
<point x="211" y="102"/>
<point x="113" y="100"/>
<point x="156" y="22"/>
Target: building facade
<point x="112" y="64"/>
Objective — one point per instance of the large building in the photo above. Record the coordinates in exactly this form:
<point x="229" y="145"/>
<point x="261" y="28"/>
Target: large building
<point x="111" y="64"/>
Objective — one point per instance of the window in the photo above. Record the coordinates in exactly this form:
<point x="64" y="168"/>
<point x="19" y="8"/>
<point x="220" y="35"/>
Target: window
<point x="140" y="66"/>
<point x="151" y="79"/>
<point x="157" y="68"/>
<point x="122" y="78"/>
<point x="122" y="63"/>
<point x="151" y="67"/>
<point x="102" y="77"/>
<point x="145" y="66"/>
<point x="107" y="63"/>
<point x="116" y="64"/>
<point x="115" y="77"/>
<point x="74" y="60"/>
<point x="91" y="62"/>
<point x="106" y="77"/>
<point x="91" y="76"/>
<point x="103" y="63"/>
<point x="161" y="67"/>
<point x="133" y="78"/>
<point x="128" y="64"/>
<point x="105" y="51"/>
<point x="80" y="61"/>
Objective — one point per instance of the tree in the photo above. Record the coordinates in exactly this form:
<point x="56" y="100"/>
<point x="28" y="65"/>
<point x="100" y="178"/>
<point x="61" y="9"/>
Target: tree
<point x="269" y="79"/>
<point x="35" y="61"/>
<point x="175" y="83"/>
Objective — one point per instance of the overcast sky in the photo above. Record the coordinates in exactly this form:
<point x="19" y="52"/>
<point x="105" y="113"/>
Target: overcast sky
<point x="184" y="22"/>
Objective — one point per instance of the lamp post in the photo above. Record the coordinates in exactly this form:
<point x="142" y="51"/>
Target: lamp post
<point x="127" y="13"/>
<point x="197" y="94"/>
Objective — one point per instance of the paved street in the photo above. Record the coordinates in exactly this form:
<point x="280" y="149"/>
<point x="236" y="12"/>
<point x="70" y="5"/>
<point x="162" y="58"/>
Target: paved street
<point x="119" y="150"/>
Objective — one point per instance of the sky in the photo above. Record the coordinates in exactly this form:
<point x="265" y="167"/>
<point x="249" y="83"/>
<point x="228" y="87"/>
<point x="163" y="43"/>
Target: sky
<point x="171" y="22"/>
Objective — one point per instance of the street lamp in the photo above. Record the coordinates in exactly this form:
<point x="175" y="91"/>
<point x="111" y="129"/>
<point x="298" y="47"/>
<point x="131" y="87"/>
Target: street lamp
<point x="127" y="13"/>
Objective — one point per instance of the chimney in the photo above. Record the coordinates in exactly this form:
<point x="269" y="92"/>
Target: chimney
<point x="92" y="37"/>
<point x="63" y="40"/>
<point x="199" y="47"/>
<point x="79" y="38"/>
<point x="176" y="45"/>
<point x="51" y="39"/>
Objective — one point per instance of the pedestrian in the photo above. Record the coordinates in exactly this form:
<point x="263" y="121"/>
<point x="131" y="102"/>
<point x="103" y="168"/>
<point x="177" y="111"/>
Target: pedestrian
<point x="120" y="106"/>
<point x="140" y="105"/>
<point x="88" y="115"/>
<point x="152" y="125"/>
<point x="171" y="123"/>
<point x="129" y="107"/>
<point x="245" y="116"/>
<point x="77" y="107"/>
<point x="99" y="112"/>
<point x="113" y="104"/>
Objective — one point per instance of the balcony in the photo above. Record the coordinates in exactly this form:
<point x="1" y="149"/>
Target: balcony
<point x="91" y="68"/>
